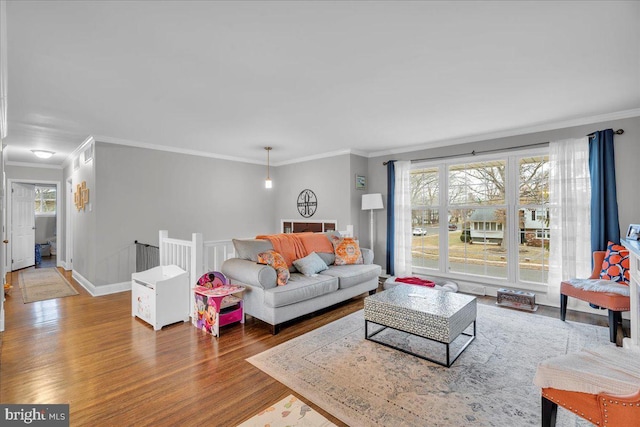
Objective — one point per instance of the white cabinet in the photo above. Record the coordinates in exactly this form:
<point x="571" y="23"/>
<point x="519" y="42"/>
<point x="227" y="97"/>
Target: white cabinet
<point x="160" y="296"/>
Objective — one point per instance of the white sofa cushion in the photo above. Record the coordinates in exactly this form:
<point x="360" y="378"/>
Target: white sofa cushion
<point x="351" y="275"/>
<point x="300" y="288"/>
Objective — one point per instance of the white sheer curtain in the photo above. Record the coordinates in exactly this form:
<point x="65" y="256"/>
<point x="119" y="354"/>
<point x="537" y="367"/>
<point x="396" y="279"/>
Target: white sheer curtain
<point x="570" y="212"/>
<point x="402" y="213"/>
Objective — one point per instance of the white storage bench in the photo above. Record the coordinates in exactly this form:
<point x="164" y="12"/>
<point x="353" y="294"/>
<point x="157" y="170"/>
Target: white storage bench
<point x="160" y="295"/>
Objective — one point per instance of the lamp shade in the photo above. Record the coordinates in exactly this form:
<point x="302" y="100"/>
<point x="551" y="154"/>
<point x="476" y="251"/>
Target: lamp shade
<point x="372" y="201"/>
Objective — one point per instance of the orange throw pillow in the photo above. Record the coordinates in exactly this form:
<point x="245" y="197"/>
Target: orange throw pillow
<point x="615" y="265"/>
<point x="347" y="250"/>
<point x="275" y="260"/>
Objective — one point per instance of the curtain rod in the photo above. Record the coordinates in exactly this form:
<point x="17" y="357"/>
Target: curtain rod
<point x="474" y="152"/>
<point x="618" y="132"/>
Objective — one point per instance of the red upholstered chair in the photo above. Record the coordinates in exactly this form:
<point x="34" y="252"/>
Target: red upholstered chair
<point x="613" y="302"/>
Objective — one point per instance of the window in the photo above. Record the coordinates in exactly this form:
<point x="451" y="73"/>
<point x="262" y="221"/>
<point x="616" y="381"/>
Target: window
<point x="495" y="217"/>
<point x="45" y="203"/>
<point x="533" y="219"/>
<point x="425" y="217"/>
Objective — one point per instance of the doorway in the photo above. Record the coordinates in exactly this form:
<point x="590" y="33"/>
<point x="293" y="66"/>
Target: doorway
<point x="33" y="218"/>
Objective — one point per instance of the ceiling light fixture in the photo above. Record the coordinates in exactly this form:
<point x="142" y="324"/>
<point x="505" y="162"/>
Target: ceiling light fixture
<point x="43" y="154"/>
<point x="267" y="182"/>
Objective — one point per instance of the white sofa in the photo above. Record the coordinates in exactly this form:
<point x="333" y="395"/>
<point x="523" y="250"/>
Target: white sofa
<point x="302" y="295"/>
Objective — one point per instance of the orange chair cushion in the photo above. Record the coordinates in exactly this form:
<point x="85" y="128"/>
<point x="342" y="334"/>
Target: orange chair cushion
<point x="609" y="300"/>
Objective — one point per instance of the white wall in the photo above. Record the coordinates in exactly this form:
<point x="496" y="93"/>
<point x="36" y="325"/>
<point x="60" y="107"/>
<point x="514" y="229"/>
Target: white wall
<point x="332" y="179"/>
<point x="45" y="228"/>
<point x="84" y="222"/>
<point x="32" y="174"/>
<point x="136" y="192"/>
<point x="140" y="191"/>
<point x="360" y="219"/>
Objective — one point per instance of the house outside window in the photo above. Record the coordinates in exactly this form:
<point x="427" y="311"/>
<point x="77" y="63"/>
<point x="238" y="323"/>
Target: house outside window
<point x="45" y="200"/>
<point x="497" y="220"/>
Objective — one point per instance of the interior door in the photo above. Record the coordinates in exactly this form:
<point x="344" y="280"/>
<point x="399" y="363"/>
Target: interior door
<point x="23" y="225"/>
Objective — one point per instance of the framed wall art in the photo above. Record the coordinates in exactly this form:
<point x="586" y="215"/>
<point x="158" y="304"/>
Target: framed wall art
<point x="633" y="232"/>
<point x="361" y="182"/>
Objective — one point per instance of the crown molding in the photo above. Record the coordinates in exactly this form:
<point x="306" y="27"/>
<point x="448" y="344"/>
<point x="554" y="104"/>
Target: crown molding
<point x="626" y="114"/>
<point x="445" y="142"/>
<point x="321" y="156"/>
<point x="33" y="165"/>
<point x="129" y="143"/>
<point x="178" y="150"/>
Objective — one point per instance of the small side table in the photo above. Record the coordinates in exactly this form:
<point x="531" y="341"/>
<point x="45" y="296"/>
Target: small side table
<point x="215" y="307"/>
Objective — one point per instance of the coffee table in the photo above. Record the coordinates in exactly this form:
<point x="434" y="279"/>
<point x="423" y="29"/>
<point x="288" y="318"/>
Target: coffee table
<point x="429" y="313"/>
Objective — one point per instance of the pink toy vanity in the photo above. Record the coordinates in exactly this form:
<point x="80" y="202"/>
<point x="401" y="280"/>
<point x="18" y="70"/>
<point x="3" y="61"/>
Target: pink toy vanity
<point x="219" y="306"/>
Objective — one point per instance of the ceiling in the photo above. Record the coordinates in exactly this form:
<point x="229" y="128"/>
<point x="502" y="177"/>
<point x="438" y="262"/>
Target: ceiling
<point x="225" y="79"/>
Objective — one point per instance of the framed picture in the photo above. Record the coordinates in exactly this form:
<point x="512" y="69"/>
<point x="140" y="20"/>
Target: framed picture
<point x="361" y="182"/>
<point x="633" y="232"/>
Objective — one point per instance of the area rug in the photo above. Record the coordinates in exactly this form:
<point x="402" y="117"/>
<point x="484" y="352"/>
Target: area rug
<point x="290" y="411"/>
<point x="41" y="284"/>
<point x="364" y="383"/>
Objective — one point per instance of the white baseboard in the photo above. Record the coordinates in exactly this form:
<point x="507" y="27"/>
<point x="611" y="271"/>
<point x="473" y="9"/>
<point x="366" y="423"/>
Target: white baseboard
<point x="97" y="291"/>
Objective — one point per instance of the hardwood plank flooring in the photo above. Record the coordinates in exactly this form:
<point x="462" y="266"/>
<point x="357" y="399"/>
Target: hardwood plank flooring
<point x="113" y="369"/>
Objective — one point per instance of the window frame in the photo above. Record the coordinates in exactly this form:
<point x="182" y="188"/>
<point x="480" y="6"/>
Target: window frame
<point x="46" y="214"/>
<point x="510" y="227"/>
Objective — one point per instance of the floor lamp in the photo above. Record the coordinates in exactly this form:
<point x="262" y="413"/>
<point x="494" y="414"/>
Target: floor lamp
<point x="371" y="202"/>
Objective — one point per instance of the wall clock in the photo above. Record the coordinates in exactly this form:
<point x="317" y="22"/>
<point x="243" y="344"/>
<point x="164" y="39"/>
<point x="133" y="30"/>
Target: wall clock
<point x="307" y="203"/>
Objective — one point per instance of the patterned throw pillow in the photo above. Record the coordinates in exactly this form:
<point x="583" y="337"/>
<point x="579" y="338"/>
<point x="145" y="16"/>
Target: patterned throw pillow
<point x="275" y="260"/>
<point x="347" y="251"/>
<point x="615" y="265"/>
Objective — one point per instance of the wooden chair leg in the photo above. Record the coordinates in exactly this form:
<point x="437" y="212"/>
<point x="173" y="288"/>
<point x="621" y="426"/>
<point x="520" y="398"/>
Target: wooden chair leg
<point x="615" y="326"/>
<point x="563" y="306"/>
<point x="615" y="318"/>
<point x="549" y="412"/>
<point x="619" y="335"/>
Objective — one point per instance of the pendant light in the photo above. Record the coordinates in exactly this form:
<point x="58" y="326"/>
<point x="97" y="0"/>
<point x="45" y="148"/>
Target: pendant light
<point x="267" y="182"/>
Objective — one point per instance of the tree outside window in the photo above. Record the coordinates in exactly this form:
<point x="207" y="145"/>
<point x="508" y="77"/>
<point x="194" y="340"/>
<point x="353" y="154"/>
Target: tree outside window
<point x="481" y="216"/>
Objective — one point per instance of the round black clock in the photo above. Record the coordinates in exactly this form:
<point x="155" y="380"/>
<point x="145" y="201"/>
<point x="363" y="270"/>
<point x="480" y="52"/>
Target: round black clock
<point x="307" y="203"/>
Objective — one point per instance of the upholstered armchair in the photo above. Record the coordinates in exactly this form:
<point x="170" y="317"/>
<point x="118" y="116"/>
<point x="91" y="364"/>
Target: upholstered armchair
<point x="614" y="302"/>
<point x="601" y="385"/>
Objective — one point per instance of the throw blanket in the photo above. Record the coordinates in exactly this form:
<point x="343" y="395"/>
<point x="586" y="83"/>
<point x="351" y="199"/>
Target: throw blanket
<point x="415" y="281"/>
<point x="315" y="242"/>
<point x="600" y="285"/>
<point x="288" y="245"/>
<point x="613" y="370"/>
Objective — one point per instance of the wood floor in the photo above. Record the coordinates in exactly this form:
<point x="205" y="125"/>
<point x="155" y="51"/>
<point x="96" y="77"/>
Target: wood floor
<point x="113" y="369"/>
